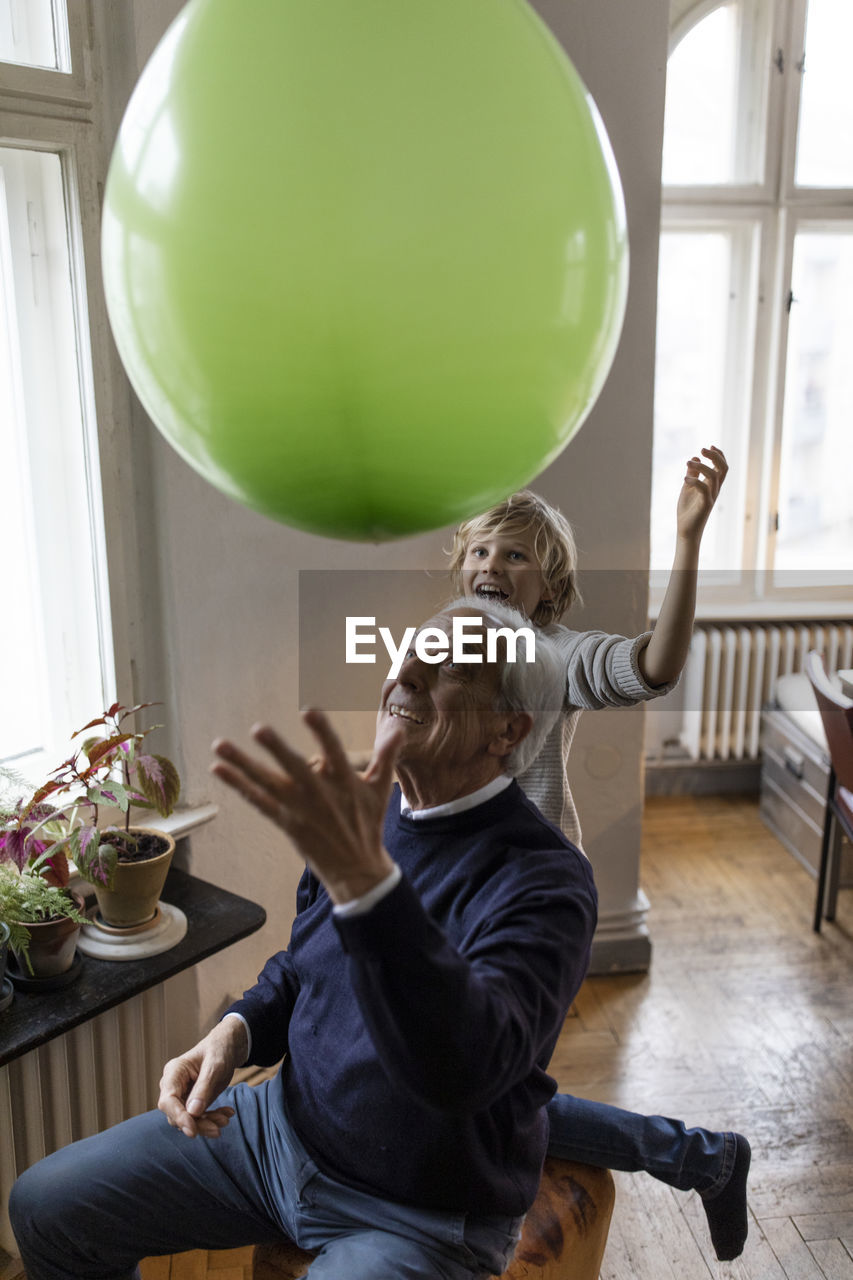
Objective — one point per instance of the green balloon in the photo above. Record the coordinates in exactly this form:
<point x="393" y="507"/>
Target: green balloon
<point x="365" y="260"/>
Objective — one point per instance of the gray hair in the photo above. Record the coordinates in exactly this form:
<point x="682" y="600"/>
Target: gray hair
<point x="536" y="686"/>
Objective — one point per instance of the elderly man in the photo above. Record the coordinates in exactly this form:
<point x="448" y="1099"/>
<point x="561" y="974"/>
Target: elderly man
<point x="439" y="940"/>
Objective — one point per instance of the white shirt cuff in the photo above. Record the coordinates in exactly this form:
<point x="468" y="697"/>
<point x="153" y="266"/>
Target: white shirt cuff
<point x="234" y="1014"/>
<point x="358" y="906"/>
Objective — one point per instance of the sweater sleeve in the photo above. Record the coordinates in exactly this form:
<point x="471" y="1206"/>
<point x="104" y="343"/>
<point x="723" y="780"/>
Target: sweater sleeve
<point x="603" y="670"/>
<point x="267" y="1006"/>
<point x="459" y="1030"/>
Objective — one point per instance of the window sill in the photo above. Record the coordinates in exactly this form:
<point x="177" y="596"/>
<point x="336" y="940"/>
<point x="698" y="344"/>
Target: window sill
<point x="183" y="821"/>
<point x="766" y="610"/>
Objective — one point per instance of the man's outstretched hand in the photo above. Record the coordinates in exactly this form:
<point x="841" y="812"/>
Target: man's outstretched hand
<point x="331" y="812"/>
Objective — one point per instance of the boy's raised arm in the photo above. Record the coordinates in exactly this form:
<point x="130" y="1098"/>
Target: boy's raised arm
<point x="664" y="656"/>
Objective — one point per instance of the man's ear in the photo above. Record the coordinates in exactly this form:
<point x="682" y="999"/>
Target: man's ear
<point x="513" y="729"/>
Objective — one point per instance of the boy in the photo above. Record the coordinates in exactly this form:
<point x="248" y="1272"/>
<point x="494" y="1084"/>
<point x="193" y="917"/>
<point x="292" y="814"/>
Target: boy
<point x="522" y="553"/>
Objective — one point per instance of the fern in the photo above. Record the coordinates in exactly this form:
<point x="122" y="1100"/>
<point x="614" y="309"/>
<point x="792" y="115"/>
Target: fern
<point x="28" y="899"/>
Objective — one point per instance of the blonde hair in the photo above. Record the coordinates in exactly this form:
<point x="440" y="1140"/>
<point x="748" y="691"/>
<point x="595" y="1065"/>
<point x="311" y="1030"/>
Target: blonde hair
<point x="553" y="543"/>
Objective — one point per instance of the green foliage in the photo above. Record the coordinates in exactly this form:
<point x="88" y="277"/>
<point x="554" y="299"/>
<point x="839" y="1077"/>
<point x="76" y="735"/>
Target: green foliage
<point x="108" y="768"/>
<point x="13" y="787"/>
<point x="26" y="898"/>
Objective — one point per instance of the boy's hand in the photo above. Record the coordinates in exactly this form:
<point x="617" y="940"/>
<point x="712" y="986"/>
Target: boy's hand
<point x="699" y="492"/>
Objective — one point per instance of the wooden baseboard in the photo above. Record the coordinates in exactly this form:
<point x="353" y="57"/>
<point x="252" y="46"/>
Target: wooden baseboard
<point x="710" y="778"/>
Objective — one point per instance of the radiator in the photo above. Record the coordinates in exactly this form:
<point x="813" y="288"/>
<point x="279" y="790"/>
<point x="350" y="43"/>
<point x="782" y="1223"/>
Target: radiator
<point x="103" y="1071"/>
<point x="730" y="673"/>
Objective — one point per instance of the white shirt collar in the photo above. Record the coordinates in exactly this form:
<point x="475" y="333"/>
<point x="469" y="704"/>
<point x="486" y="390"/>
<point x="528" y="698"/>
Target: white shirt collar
<point x="493" y="788"/>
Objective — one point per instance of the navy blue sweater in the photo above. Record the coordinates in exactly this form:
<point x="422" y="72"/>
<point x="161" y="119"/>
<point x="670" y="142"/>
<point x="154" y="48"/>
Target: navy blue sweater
<point x="418" y="1034"/>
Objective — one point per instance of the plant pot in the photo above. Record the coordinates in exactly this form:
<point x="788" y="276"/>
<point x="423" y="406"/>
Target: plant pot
<point x="136" y="885"/>
<point x="52" y="946"/>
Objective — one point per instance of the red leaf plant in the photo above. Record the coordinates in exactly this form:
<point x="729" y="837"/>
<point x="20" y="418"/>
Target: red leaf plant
<point x="107" y="769"/>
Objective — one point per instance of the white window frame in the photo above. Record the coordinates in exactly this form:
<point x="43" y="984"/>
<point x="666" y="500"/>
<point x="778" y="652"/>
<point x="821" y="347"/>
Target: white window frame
<point x="71" y="114"/>
<point x="780" y="208"/>
<point x="47" y="89"/>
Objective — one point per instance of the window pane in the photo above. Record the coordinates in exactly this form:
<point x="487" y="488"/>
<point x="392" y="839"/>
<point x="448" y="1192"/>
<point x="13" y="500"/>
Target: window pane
<point x="54" y="659"/>
<point x="824" y="153"/>
<point x="21" y="645"/>
<point x="702" y="379"/>
<point x="815" y="495"/>
<point x="716" y="97"/>
<point x="35" y="33"/>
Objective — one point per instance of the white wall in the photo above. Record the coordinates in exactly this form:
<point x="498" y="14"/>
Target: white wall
<point x="223" y="588"/>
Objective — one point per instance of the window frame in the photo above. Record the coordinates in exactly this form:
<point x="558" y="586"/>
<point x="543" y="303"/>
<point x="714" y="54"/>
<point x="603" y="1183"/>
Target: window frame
<point x="780" y="207"/>
<point x="50" y="89"/>
<point x="74" y="115"/>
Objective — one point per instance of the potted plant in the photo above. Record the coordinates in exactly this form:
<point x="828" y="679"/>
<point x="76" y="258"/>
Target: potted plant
<point x="43" y="921"/>
<point x="38" y="914"/>
<point x="5" y="985"/>
<point x="126" y="864"/>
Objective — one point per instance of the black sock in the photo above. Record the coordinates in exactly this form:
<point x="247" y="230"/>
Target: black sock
<point x="726" y="1210"/>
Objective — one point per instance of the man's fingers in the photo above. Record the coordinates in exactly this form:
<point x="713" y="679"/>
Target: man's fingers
<point x="260" y="774"/>
<point x="291" y="761"/>
<point x="270" y="805"/>
<point x="220" y="1116"/>
<point x="208" y="1125"/>
<point x="333" y="750"/>
<point x="211" y="1124"/>
<point x="176" y="1113"/>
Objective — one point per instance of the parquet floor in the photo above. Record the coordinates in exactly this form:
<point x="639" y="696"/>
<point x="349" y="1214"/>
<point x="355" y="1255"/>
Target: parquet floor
<point x="745" y="1021"/>
<point x="228" y="1264"/>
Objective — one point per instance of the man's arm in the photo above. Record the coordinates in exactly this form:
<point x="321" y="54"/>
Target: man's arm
<point x="663" y="658"/>
<point x="459" y="1028"/>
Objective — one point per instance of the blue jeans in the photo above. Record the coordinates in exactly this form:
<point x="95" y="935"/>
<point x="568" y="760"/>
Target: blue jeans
<point x="610" y="1138"/>
<point x="92" y="1210"/>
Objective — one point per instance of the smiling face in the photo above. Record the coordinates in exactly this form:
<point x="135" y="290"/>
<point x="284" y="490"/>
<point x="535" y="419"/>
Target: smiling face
<point x="504" y="567"/>
<point x="452" y="739"/>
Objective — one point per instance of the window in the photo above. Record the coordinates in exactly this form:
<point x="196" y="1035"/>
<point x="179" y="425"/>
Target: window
<point x="56" y="661"/>
<point x="34" y="33"/>
<point x="755" y="293"/>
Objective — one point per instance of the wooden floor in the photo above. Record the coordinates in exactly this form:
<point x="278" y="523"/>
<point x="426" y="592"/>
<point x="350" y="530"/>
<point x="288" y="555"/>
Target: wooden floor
<point x="745" y="1021"/>
<point x="230" y="1264"/>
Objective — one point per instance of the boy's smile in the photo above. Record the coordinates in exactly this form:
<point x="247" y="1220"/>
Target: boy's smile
<point x="504" y="566"/>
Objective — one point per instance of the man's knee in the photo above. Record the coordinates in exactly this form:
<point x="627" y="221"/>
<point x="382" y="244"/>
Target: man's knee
<point x="41" y="1206"/>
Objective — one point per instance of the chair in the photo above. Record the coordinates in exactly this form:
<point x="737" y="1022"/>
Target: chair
<point x="563" y="1237"/>
<point x="836" y="712"/>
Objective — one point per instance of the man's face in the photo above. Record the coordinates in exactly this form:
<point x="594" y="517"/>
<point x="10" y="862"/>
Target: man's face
<point x="444" y="712"/>
<point x="504" y="567"/>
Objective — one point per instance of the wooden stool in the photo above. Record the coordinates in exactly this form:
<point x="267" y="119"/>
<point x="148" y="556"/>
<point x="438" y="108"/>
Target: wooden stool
<point x="563" y="1237"/>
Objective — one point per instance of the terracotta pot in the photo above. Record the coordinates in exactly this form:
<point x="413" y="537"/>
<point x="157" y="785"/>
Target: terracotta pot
<point x="52" y="945"/>
<point x="136" y="886"/>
